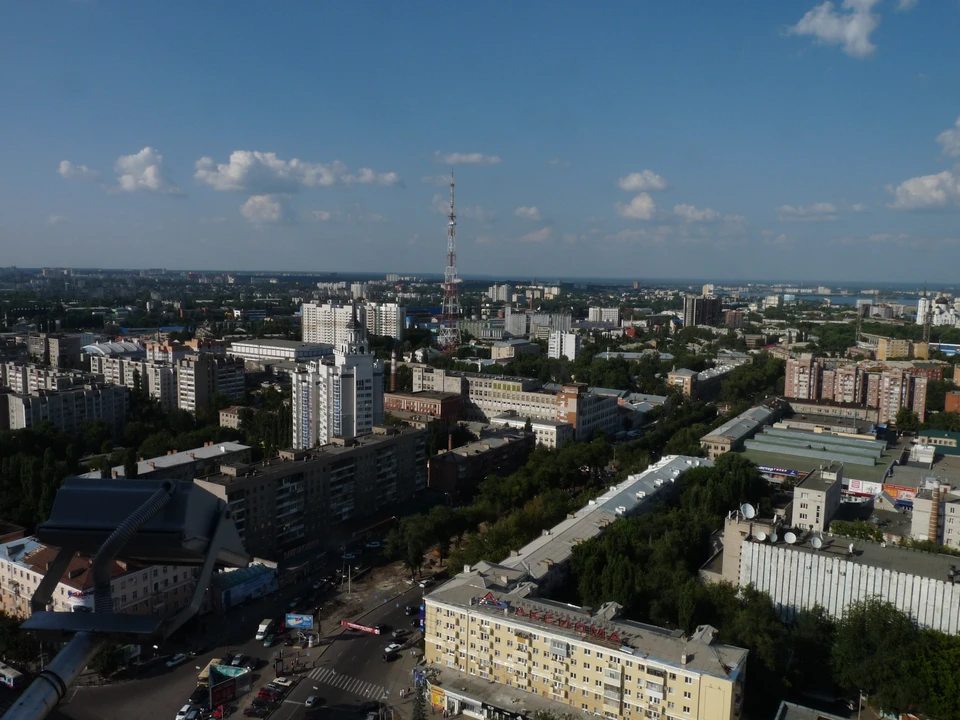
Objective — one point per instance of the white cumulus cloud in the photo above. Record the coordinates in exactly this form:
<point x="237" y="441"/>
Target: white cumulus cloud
<point x="692" y="214"/>
<point x="860" y="208"/>
<point x="537" y="236"/>
<point x="559" y="163"/>
<point x="77" y="172"/>
<point x="440" y="180"/>
<point x="906" y="4"/>
<point x="804" y="213"/>
<point x="949" y="139"/>
<point x="267" y="210"/>
<point x="644" y="181"/>
<point x="927" y="191"/>
<point x="144" y="171"/>
<point x="527" y="213"/>
<point x="466" y="158"/>
<point x="642" y="207"/>
<point x="321" y="215"/>
<point x="850" y="27"/>
<point x="55" y="219"/>
<point x="263" y="173"/>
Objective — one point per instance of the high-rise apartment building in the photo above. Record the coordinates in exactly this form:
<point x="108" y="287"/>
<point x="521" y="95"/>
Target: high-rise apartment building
<point x="327" y="322"/>
<point x="898" y="390"/>
<point x="733" y="318"/>
<point x="563" y="345"/>
<point x="201" y="376"/>
<point x="500" y="293"/>
<point x="338" y="396"/>
<point x="158" y="380"/>
<point x="701" y="310"/>
<point x="387" y="319"/>
<point x="803" y="378"/>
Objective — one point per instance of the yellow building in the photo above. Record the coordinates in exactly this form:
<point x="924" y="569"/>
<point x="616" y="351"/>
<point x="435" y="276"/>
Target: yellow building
<point x="495" y="650"/>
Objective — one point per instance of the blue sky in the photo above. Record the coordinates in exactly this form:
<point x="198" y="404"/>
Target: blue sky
<point x="753" y="139"/>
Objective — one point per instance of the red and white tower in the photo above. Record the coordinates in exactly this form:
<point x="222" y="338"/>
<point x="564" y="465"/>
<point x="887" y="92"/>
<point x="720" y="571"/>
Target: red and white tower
<point x="449" y="336"/>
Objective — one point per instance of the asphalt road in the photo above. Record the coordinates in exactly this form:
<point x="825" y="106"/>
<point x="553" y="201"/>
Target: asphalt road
<point x="160" y="692"/>
<point x="351" y="675"/>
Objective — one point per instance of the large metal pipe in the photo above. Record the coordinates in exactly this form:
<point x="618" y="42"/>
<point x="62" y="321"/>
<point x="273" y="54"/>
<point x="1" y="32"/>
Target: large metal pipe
<point x="51" y="685"/>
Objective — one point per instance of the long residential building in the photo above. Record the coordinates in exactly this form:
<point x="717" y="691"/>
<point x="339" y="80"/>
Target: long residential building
<point x="68" y="410"/>
<point x="186" y="464"/>
<point x="496" y="646"/>
<point x="156" y="589"/>
<point x="158" y="379"/>
<point x="293" y="502"/>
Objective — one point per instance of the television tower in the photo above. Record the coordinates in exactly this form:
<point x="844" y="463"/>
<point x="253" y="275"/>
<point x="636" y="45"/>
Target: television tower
<point x="449" y="336"/>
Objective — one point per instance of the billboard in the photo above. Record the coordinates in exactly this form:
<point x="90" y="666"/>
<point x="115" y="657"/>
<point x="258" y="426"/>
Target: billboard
<point x="362" y="628"/>
<point x="299" y="622"/>
<point x="779" y="471"/>
<point x="865" y="487"/>
<point x="223" y="692"/>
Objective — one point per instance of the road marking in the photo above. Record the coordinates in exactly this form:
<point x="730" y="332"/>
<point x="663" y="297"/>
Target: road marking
<point x="346" y="683"/>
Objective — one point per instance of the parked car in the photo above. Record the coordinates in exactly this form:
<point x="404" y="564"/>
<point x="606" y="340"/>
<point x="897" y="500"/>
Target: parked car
<point x="269" y="640"/>
<point x="390" y="656"/>
<point x="283" y="682"/>
<point x="237" y="660"/>
<point x="311" y="701"/>
<point x="183" y="712"/>
<point x="400" y="633"/>
<point x="251" y="663"/>
<point x="176" y="660"/>
<point x="392" y="647"/>
<point x="426" y="583"/>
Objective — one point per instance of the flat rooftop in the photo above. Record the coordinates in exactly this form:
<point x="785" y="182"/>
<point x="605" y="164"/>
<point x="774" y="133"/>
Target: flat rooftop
<point x="165" y="462"/>
<point x="892" y="557"/>
<point x="287" y="344"/>
<point x="423" y="395"/>
<point x="817" y="481"/>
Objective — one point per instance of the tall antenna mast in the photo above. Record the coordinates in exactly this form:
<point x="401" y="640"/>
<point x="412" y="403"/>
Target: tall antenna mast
<point x="449" y="337"/>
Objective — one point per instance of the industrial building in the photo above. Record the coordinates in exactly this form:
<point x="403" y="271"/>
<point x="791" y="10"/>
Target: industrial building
<point x="731" y="435"/>
<point x="272" y="349"/>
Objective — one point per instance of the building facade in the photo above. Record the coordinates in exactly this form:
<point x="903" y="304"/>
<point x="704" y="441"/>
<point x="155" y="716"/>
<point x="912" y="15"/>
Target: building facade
<point x="67" y="410"/>
<point x="341" y="396"/>
<point x="563" y="345"/>
<point x="446" y="406"/>
<point x="701" y="310"/>
<point x="290" y="503"/>
<point x="602" y="314"/>
<point x="386" y="319"/>
<point x="457" y="472"/>
<point x="201" y="376"/>
<point x="509" y="349"/>
<point x="278" y="350"/>
<point x="803" y="378"/>
<point x="157" y="379"/>
<point x="327" y="323"/>
<point x="549" y="433"/>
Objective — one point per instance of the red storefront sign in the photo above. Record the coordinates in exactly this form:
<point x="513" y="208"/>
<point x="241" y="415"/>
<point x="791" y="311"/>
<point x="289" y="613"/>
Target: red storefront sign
<point x="565" y="623"/>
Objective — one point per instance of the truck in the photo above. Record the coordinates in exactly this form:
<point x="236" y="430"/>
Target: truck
<point x="204" y="677"/>
<point x="265" y="628"/>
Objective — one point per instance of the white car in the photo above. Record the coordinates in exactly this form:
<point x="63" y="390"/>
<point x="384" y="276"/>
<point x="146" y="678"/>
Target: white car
<point x="426" y="583"/>
<point x="176" y="660"/>
<point x="183" y="712"/>
<point x="283" y="682"/>
<point x="311" y="701"/>
<point x="392" y="648"/>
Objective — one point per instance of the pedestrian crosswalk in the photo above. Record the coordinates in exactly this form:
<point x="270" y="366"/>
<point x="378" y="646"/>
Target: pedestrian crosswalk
<point x="329" y="676"/>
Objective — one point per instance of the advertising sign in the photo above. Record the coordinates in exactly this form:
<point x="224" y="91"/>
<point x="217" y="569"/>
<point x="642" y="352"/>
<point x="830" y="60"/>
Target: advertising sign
<point x="299" y="622"/>
<point x="362" y="628"/>
<point x="438" y="696"/>
<point x="223" y="692"/>
<point x="778" y="471"/>
<point x="864" y="487"/>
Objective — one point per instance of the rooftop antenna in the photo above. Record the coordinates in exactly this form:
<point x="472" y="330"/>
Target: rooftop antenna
<point x="790" y="538"/>
<point x="749" y="512"/>
<point x="816" y="542"/>
<point x="449" y="335"/>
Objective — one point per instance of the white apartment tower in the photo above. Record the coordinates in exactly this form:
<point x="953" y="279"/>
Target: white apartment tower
<point x="563" y="345"/>
<point x="338" y="396"/>
<point x="327" y="323"/>
<point x="387" y="319"/>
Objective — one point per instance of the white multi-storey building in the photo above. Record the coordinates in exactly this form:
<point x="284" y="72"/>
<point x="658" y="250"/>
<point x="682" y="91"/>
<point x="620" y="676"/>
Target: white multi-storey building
<point x="327" y="322"/>
<point x="563" y="345"/>
<point x="388" y="319"/>
<point x="602" y="314"/>
<point x="341" y="396"/>
<point x="500" y="293"/>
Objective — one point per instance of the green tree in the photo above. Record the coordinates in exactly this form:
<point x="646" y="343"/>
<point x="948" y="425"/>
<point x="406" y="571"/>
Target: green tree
<point x="877" y="650"/>
<point x="907" y="420"/>
<point x="940" y="658"/>
<point x="419" y="704"/>
<point x="107" y="660"/>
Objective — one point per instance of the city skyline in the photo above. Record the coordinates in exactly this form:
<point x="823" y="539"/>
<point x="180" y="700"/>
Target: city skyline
<point x="793" y="140"/>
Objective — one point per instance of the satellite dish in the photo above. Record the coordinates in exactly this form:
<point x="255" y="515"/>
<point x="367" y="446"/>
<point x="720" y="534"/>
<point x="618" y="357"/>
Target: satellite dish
<point x="817" y="543"/>
<point x="790" y="538"/>
<point x="773" y="537"/>
<point x="749" y="512"/>
<point x="761" y="536"/>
